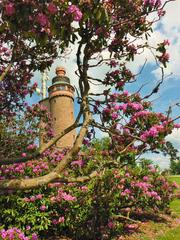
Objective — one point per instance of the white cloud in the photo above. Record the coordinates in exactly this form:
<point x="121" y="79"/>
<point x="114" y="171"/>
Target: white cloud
<point x="160" y="160"/>
<point x="174" y="137"/>
<point x="167" y="28"/>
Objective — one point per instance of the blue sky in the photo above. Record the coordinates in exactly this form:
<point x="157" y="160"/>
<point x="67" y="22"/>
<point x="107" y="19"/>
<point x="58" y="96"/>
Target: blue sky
<point x="168" y="28"/>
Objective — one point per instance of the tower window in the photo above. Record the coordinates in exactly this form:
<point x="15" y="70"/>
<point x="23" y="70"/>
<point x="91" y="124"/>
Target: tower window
<point x="61" y="88"/>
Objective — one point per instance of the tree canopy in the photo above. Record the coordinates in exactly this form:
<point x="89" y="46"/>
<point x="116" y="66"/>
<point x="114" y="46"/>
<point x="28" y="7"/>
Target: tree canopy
<point x="34" y="34"/>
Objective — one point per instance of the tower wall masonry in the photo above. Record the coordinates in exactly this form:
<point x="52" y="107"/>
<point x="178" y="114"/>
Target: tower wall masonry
<point x="60" y="104"/>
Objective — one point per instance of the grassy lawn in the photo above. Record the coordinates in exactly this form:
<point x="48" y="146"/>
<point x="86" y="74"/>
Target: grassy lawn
<point x="175" y="206"/>
<point x="173" y="234"/>
<point x="175" y="178"/>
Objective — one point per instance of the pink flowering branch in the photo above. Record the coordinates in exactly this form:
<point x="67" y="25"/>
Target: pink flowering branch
<point x="43" y="148"/>
<point x="55" y="174"/>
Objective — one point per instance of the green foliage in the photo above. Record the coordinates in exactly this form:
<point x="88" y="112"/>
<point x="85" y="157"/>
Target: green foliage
<point x="175" y="166"/>
<point x="89" y="210"/>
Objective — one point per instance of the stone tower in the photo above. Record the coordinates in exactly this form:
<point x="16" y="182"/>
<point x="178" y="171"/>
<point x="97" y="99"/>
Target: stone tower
<point x="60" y="104"/>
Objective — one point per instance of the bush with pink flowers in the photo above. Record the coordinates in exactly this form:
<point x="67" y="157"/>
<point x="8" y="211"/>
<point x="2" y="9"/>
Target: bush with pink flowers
<point x="98" y="207"/>
<point x="15" y="234"/>
<point x="96" y="189"/>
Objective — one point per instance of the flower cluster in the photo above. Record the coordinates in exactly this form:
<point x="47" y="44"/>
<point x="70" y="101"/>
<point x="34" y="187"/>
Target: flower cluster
<point x="76" y="13"/>
<point x="152" y="3"/>
<point x="152" y="132"/>
<point x="15" y="233"/>
<point x="33" y="198"/>
<point x="9" y="9"/>
<point x="61" y="195"/>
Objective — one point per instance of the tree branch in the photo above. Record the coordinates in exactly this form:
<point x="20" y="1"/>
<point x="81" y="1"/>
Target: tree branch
<point x="42" y="149"/>
<point x="22" y="184"/>
<point x="3" y="75"/>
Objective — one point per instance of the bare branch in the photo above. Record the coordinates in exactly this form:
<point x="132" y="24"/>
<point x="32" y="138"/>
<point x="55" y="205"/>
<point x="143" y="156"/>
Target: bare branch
<point x="80" y="179"/>
<point x="124" y="217"/>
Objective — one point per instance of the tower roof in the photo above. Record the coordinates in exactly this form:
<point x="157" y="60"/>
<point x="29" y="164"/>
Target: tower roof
<point x="61" y="76"/>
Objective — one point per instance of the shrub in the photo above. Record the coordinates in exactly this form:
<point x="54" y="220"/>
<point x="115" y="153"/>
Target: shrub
<point x="99" y="208"/>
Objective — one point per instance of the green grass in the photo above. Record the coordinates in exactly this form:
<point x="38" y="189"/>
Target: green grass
<point x="175" y="206"/>
<point x="173" y="234"/>
<point x="175" y="178"/>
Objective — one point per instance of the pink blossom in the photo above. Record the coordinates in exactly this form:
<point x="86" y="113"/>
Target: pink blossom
<point x="126" y="93"/>
<point x="122" y="180"/>
<point x="106" y="110"/>
<point x="77" y="14"/>
<point x="153" y="132"/>
<point x="78" y="162"/>
<point x="28" y="228"/>
<point x="52" y="8"/>
<point x="39" y="196"/>
<point x="43" y="208"/>
<point x="117" y="107"/>
<point x="84" y="188"/>
<point x="152" y="3"/>
<point x="23" y="154"/>
<point x="85" y="142"/>
<point x="120" y="84"/>
<point x="42" y="19"/>
<point x="166" y="42"/>
<point x="113" y="63"/>
<point x="55" y="221"/>
<point x="126" y="131"/>
<point x="164" y="58"/>
<point x="175" y="185"/>
<point x="132" y="227"/>
<point x="136" y="106"/>
<point x="26" y="199"/>
<point x="34" y="236"/>
<point x="68" y="197"/>
<point x="111" y="225"/>
<point x="61" y="219"/>
<point x="177" y="125"/>
<point x="114" y="116"/>
<point x="32" y="199"/>
<point x="123" y="107"/>
<point x="126" y="192"/>
<point x="158" y="198"/>
<point x="161" y="12"/>
<point x="9" y="8"/>
<point x="142" y="185"/>
<point x="31" y="146"/>
<point x="145" y="178"/>
<point x="127" y="175"/>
